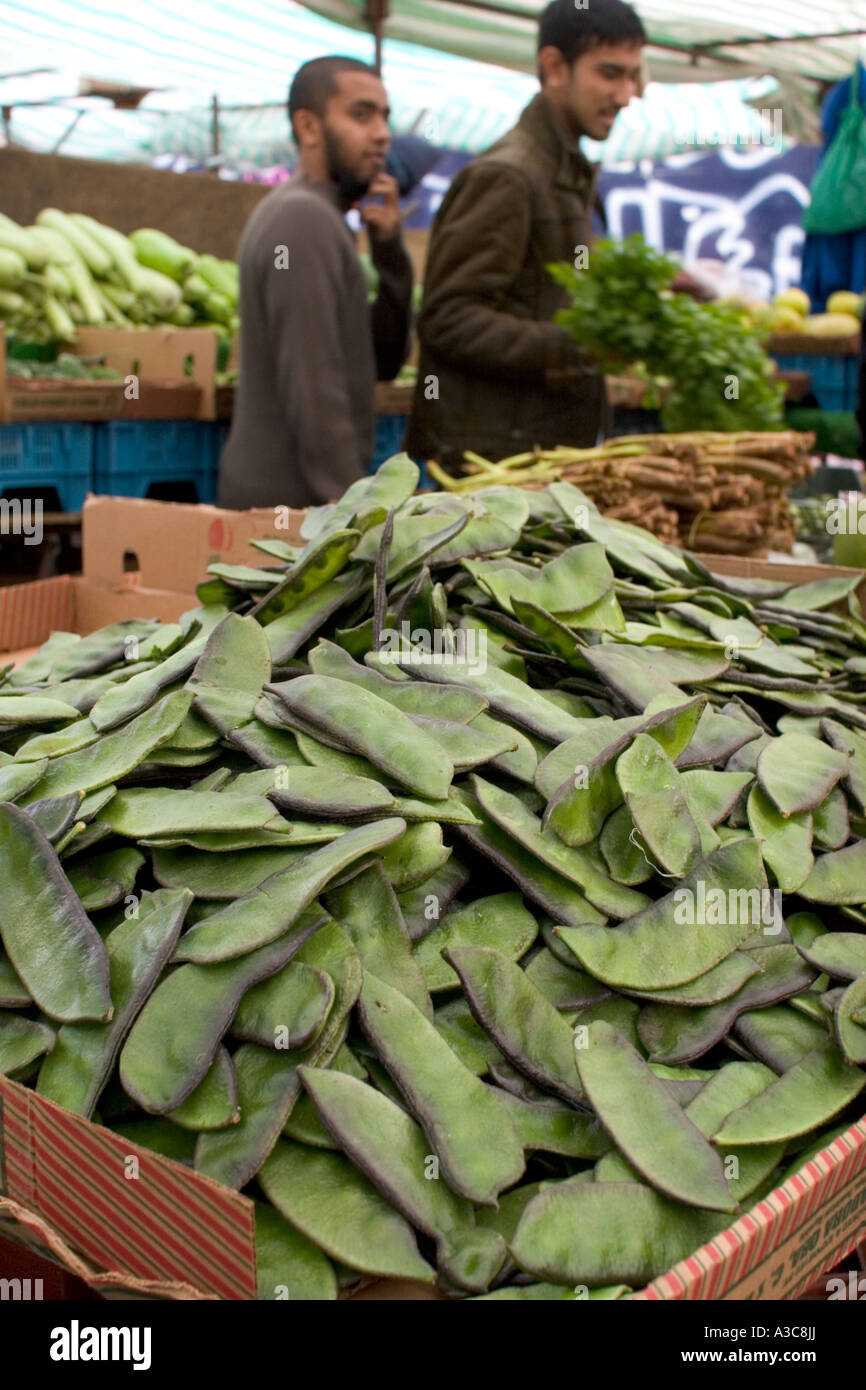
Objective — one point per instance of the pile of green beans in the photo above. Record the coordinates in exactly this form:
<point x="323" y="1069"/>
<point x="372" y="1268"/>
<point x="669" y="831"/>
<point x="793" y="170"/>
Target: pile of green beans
<point x="479" y="886"/>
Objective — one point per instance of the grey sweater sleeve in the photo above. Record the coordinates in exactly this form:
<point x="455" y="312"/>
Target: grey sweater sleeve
<point x="301" y="305"/>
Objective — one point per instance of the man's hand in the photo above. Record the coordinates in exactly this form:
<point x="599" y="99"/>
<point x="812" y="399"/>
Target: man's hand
<point x="687" y="284"/>
<point x="382" y="220"/>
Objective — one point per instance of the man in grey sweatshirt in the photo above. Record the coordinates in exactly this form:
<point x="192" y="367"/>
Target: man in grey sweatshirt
<point x="312" y="347"/>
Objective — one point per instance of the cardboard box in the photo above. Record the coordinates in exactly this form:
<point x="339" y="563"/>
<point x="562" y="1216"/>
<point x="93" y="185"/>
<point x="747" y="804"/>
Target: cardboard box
<point x="157" y="354"/>
<point x="23" y="400"/>
<point x="782" y="571"/>
<point x="169" y="545"/>
<point x="140" y="559"/>
<point x="118" y="1215"/>
<point x="121" y="1217"/>
<point x="29" y="613"/>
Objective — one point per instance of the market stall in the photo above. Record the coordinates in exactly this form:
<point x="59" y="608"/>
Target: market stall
<point x="260" y="738"/>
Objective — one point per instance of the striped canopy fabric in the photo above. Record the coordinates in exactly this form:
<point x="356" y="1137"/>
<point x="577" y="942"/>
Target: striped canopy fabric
<point x="245" y="54"/>
<point x="815" y="39"/>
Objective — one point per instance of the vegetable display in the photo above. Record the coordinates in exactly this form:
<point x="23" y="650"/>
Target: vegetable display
<point x="726" y="493"/>
<point x="479" y="886"/>
<point x="67" y="367"/>
<point x="70" y="269"/>
<point x="714" y="368"/>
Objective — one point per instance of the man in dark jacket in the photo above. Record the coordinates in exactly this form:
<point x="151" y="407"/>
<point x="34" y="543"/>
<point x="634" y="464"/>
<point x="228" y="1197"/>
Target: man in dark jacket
<point x="496" y="374"/>
<point x="312" y="347"/>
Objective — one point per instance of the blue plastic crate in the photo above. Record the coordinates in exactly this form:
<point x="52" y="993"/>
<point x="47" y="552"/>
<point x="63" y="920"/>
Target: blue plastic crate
<point x="388" y="439"/>
<point x="834" y="379"/>
<point x="41" y="456"/>
<point x="133" y="456"/>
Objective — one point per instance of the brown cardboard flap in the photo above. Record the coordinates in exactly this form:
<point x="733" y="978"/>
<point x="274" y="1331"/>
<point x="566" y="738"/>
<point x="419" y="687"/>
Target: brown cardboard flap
<point x="171" y="544"/>
<point x="781" y="572"/>
<point x="123" y="1210"/>
<point x="158" y="354"/>
<point x="56" y="400"/>
<point x="29" y="613"/>
<point x="96" y="606"/>
<point x="784" y="1242"/>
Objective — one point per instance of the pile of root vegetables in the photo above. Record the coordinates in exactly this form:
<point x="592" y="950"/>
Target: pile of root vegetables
<point x="480" y="887"/>
<point x="714" y="492"/>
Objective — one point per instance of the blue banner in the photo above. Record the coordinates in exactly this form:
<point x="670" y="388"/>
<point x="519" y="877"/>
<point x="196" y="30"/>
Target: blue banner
<point x="743" y="207"/>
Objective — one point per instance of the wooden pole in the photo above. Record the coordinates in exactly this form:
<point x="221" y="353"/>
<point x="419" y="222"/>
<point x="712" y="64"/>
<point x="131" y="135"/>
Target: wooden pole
<point x="376" y="13"/>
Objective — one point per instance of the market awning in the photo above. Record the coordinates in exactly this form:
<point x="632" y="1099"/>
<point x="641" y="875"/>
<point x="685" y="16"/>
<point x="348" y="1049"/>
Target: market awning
<point x="816" y="39"/>
<point x="184" y="57"/>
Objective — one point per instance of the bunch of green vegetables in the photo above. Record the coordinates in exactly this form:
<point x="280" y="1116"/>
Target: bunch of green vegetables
<point x="315" y="894"/>
<point x="66" y="367"/>
<point x="69" y="269"/>
<point x="714" y="369"/>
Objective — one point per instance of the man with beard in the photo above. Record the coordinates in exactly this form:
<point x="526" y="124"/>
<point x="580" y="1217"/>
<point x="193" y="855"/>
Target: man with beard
<point x="496" y="374"/>
<point x="312" y="347"/>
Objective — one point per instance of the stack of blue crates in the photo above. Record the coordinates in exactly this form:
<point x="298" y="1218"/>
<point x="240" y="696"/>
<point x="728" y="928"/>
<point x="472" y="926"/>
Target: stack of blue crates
<point x="133" y="455"/>
<point x="130" y="458"/>
<point x="37" y="457"/>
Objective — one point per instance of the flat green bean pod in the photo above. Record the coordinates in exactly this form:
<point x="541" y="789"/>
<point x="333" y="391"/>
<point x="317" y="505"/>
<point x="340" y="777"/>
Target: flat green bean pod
<point x="270" y="910"/>
<point x="675" y="1033"/>
<point x="544" y="886"/>
<point x="785" y="840"/>
<point x="160" y="1065"/>
<point x="841" y="954"/>
<point x="500" y="921"/>
<point x="369" y="912"/>
<point x="392" y="1151"/>
<point x="839" y="877"/>
<point x="13" y="992"/>
<point x="365" y="724"/>
<point x="289" y="1265"/>
<point x="511" y="815"/>
<point x="556" y="1129"/>
<point x="646" y="1123"/>
<point x="466" y="1123"/>
<point x="522" y="1023"/>
<point x="213" y="1105"/>
<point x="288" y="1010"/>
<point x="268" y="1086"/>
<point x="330" y="1202"/>
<point x="600" y="1234"/>
<point x="780" y="1035"/>
<point x="850" y="1033"/>
<point x="807" y="1096"/>
<point x="799" y="772"/>
<point x="138" y="951"/>
<point x="22" y="1040"/>
<point x="117" y="753"/>
<point x="53" y="946"/>
<point x="659" y="947"/>
<point x="566" y="987"/>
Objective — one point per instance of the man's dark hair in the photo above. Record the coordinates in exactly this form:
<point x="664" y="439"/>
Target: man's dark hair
<point x="575" y="31"/>
<point x="316" y="81"/>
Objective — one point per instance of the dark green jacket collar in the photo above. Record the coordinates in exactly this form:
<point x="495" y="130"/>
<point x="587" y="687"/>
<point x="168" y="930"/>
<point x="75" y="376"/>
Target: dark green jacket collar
<point x="569" y="167"/>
